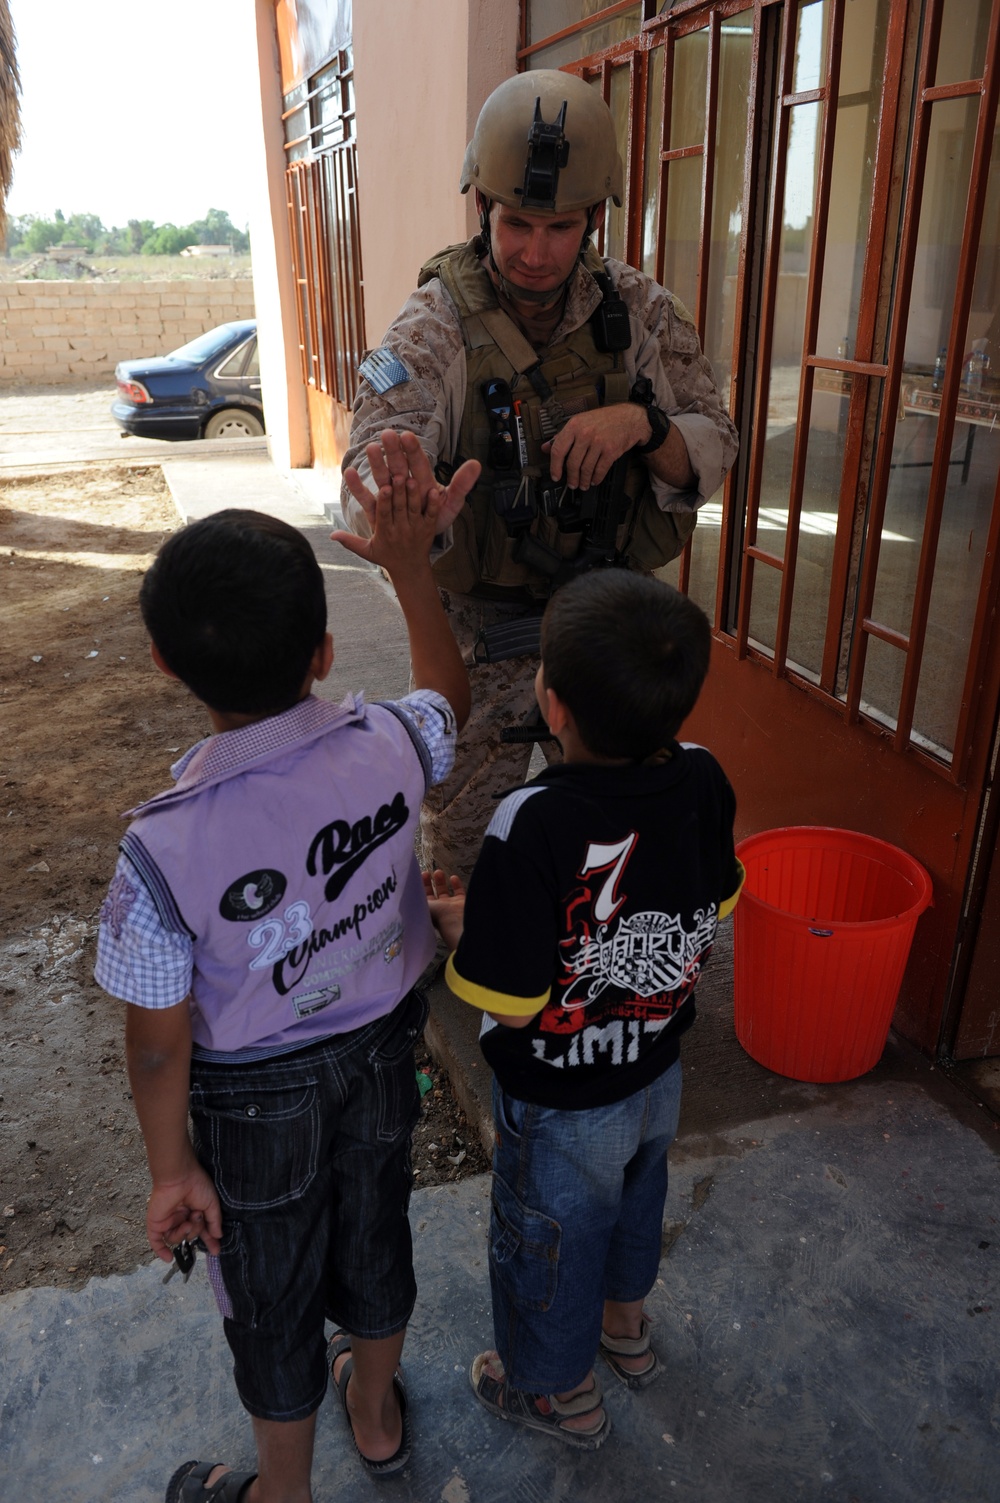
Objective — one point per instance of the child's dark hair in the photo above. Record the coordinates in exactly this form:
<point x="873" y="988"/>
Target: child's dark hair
<point x="236" y="606"/>
<point x="627" y="655"/>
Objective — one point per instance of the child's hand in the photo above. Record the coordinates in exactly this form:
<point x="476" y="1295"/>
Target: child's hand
<point x="182" y="1211"/>
<point x="403" y="475"/>
<point x="446" y="901"/>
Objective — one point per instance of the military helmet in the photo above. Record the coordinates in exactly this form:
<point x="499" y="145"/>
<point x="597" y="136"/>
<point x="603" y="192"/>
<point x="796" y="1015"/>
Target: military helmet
<point x="544" y="140"/>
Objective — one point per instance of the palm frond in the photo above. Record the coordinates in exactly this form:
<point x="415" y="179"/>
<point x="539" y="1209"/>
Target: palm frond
<point x="10" y="109"/>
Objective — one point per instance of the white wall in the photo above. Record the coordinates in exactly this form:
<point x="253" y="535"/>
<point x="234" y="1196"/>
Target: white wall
<point x="422" y="70"/>
<point x="282" y="390"/>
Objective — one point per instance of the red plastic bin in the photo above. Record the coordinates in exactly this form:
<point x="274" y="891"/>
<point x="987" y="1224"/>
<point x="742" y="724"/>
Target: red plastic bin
<point x="823" y="930"/>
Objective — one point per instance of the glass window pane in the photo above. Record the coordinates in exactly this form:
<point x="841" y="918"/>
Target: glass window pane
<point x="965" y="26"/>
<point x="786" y="358"/>
<point x="654" y="129"/>
<point x="581" y="44"/>
<point x="687" y="102"/>
<point x="545" y="17"/>
<point x="683" y="228"/>
<point x="851" y="176"/>
<point x="297" y="123"/>
<point x="616" y="230"/>
<point x="818" y="521"/>
<point x="809" y="70"/>
<point x="234" y="365"/>
<point x="705" y="542"/>
<point x="969" y="498"/>
<point x="727" y="202"/>
<point x="767" y="579"/>
<point x="974" y="449"/>
<point x="328" y="121"/>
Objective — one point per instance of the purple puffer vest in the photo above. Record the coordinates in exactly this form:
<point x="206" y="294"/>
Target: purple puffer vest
<point x="285" y="851"/>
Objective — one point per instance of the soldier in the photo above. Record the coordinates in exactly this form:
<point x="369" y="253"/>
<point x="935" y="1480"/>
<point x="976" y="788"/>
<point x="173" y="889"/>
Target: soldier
<point x="580" y="386"/>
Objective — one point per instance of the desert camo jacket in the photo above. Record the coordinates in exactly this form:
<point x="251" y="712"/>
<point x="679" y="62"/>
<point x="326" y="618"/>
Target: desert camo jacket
<point x="427" y="338"/>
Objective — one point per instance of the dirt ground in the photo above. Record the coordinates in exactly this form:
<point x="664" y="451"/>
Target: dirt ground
<point x="88" y="729"/>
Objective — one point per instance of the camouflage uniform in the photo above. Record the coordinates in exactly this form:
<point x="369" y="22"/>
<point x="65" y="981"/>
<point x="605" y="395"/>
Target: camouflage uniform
<point x="427" y="338"/>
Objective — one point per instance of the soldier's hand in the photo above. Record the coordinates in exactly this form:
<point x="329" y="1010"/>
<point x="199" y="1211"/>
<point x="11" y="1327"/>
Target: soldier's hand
<point x="398" y="457"/>
<point x="584" y="450"/>
<point x="410" y="508"/>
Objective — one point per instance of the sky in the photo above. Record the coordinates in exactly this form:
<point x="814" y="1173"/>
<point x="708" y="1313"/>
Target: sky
<point x="136" y="111"/>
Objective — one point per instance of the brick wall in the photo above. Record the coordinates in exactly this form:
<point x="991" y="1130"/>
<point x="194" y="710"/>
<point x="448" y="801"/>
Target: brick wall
<point x="51" y="332"/>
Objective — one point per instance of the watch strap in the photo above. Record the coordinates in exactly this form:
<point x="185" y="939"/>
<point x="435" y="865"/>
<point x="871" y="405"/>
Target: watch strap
<point x="660" y="425"/>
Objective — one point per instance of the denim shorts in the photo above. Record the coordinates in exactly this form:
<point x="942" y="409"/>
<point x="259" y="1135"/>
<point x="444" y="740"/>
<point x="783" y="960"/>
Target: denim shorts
<point x="576" y="1218"/>
<point x="310" y="1155"/>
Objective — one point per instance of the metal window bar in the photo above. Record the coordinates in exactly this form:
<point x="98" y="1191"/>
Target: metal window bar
<point x="913" y="643"/>
<point x="747" y="271"/>
<point x="334" y="212"/>
<point x="342" y="80"/>
<point x="319" y="279"/>
<point x="347" y="306"/>
<point x="526" y="48"/>
<point x="662" y="31"/>
<point x="752" y="554"/>
<point x="827" y="96"/>
<point x="325" y="233"/>
<point x="326" y="253"/>
<point x="638" y="67"/>
<point x="293" y="184"/>
<point x="852" y="499"/>
<point x="664" y="152"/>
<point x="987" y="88"/>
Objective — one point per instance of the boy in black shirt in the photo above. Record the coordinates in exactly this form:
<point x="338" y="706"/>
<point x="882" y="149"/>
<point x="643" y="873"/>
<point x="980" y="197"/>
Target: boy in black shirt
<point x="590" y="914"/>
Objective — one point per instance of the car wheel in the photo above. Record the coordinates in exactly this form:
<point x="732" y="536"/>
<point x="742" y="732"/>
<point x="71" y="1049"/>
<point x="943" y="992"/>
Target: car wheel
<point x="233" y="422"/>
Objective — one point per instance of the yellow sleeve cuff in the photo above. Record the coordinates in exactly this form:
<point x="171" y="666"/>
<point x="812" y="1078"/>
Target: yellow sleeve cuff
<point x="728" y="904"/>
<point x="490" y="1001"/>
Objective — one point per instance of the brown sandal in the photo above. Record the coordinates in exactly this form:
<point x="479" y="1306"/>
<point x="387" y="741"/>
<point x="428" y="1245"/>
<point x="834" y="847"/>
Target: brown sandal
<point x="613" y="1347"/>
<point x="539" y="1411"/>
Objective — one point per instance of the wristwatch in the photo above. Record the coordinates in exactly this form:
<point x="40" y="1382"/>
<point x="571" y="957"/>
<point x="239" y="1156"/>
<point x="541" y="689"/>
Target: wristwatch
<point x="641" y="395"/>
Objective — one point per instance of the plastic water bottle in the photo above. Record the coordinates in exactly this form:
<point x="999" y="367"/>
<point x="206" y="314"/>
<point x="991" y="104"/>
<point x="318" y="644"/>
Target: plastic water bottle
<point x="938" y="378"/>
<point x="975" y="367"/>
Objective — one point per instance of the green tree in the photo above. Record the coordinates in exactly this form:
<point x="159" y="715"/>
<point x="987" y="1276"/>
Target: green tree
<point x="167" y="240"/>
<point x="218" y="229"/>
<point x="41" y="234"/>
<point x="82" y="229"/>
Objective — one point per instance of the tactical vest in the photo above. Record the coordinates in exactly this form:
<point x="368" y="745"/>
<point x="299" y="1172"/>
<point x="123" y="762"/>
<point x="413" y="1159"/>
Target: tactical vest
<point x="578" y="376"/>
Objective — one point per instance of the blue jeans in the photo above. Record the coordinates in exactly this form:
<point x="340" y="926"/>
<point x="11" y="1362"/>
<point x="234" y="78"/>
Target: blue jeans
<point x="310" y="1155"/>
<point x="577" y="1219"/>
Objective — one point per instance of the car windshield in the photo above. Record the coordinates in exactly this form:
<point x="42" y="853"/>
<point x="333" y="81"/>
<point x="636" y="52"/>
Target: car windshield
<point x="206" y="345"/>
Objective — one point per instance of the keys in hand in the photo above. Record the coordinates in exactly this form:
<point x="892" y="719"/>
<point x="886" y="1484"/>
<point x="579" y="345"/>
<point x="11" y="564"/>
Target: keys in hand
<point x="184" y="1256"/>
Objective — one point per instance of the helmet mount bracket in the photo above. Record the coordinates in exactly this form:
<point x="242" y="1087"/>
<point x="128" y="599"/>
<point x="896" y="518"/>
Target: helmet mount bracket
<point x="548" y="153"/>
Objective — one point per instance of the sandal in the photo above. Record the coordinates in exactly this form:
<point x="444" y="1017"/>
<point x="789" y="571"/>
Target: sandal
<point x="187" y="1485"/>
<point x="539" y="1411"/>
<point x="340" y="1343"/>
<point x="613" y="1347"/>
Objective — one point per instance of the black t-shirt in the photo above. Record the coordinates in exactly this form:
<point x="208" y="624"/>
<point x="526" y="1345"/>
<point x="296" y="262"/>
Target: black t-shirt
<point x="594" y="903"/>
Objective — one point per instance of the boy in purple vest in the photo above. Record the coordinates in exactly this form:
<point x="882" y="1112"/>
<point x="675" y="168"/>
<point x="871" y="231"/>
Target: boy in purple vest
<point x="266" y="926"/>
<point x="612" y="871"/>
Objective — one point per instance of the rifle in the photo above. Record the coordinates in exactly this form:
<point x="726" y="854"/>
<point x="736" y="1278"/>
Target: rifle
<point x="598" y="512"/>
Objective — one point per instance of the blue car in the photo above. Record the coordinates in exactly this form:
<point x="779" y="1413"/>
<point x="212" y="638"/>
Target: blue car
<point x="209" y="388"/>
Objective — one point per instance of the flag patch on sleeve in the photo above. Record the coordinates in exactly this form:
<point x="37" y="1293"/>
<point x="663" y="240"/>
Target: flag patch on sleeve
<point x="383" y="370"/>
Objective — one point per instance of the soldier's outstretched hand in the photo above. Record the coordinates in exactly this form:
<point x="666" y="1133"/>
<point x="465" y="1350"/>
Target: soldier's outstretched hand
<point x="398" y="457"/>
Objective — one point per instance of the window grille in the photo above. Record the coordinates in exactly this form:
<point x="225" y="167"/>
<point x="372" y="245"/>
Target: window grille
<point x="322" y="195"/>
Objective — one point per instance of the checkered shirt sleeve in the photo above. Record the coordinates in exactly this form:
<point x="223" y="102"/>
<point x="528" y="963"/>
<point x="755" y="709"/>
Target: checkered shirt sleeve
<point x="433" y="720"/>
<point x="138" y="960"/>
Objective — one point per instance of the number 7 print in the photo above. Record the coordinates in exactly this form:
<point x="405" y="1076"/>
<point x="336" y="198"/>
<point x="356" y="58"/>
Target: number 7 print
<point x="613" y="859"/>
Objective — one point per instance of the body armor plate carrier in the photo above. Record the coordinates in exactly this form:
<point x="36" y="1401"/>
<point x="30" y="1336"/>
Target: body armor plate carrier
<point x="518" y="525"/>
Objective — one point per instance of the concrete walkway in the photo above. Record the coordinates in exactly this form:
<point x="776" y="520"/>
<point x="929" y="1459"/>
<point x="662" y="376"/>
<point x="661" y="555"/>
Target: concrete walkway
<point x="826" y="1310"/>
